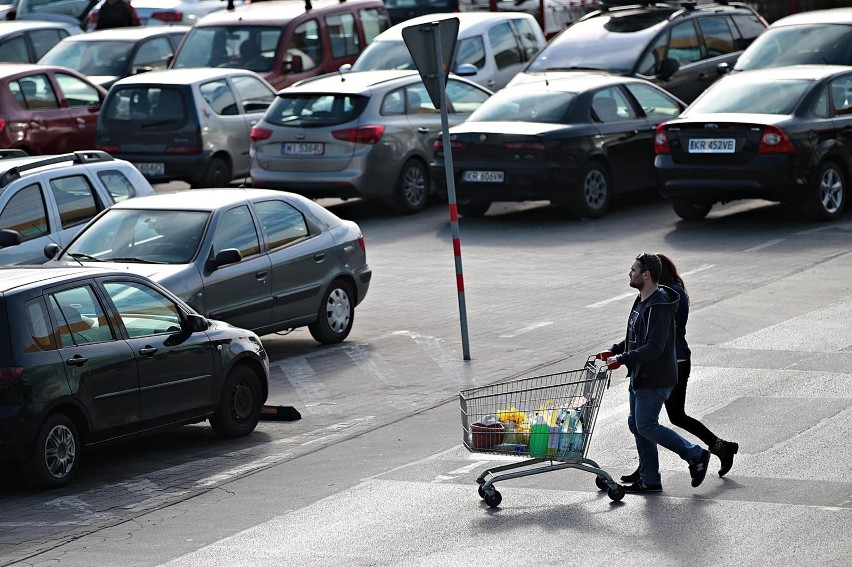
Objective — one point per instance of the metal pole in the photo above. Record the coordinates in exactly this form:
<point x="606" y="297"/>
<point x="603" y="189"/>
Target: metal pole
<point x="451" y="190"/>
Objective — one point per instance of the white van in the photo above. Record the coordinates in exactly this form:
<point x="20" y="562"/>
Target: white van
<point x="491" y="48"/>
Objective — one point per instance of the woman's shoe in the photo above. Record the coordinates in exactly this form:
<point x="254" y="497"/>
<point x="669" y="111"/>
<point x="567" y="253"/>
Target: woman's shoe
<point x="725" y="450"/>
<point x="632" y="477"/>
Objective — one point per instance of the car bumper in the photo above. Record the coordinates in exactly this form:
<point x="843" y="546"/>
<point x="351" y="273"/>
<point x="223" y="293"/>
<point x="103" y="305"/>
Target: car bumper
<point x="190" y="168"/>
<point x="544" y="183"/>
<point x="17" y="432"/>
<point x="363" y="276"/>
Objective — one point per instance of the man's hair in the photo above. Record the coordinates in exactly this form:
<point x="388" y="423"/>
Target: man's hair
<point x="650" y="263"/>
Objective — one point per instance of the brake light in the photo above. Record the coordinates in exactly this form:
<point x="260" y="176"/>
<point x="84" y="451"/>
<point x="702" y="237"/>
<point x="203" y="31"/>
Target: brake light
<point x="257" y="133"/>
<point x="775" y="141"/>
<point x="109" y="149"/>
<point x="525" y="146"/>
<point x="170" y="16"/>
<point x="182" y="150"/>
<point x="2" y="124"/>
<point x="661" y="140"/>
<point x="10" y="375"/>
<point x="438" y="145"/>
<point x="362" y="135"/>
<point x="361" y="243"/>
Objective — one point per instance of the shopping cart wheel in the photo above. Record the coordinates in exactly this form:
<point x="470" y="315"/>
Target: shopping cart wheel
<point x="601" y="483"/>
<point x="481" y="492"/>
<point x="616" y="494"/>
<point x="493" y="499"/>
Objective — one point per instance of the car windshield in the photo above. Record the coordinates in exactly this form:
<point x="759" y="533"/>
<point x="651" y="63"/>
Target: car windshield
<point x="235" y="47"/>
<point x="755" y="96"/>
<point x="90" y="57"/>
<point x="818" y="44"/>
<point x="315" y="110"/>
<point x="528" y="106"/>
<point x="158" y="237"/>
<point x="384" y="55"/>
<point x="608" y="43"/>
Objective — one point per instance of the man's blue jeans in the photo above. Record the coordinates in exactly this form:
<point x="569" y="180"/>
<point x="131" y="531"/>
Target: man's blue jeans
<point x="644" y="424"/>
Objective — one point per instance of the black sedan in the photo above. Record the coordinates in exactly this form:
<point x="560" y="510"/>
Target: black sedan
<point x="572" y="141"/>
<point x="779" y="134"/>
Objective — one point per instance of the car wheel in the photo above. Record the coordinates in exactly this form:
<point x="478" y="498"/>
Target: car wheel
<point x="412" y="188"/>
<point x="827" y="196"/>
<point x="239" y="405"/>
<point x="218" y="174"/>
<point x="55" y="456"/>
<point x="688" y="210"/>
<point x="336" y="314"/>
<point x="473" y="210"/>
<point x="592" y="200"/>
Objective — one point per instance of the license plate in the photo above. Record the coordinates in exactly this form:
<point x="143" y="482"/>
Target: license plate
<point x="483" y="176"/>
<point x="712" y="146"/>
<point x="303" y="149"/>
<point x="150" y="168"/>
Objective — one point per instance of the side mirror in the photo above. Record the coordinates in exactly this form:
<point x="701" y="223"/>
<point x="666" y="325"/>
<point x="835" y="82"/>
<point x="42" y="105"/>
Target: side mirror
<point x="669" y="67"/>
<point x="51" y="250"/>
<point x="345" y="68"/>
<point x="196" y="323"/>
<point x="296" y="64"/>
<point x="723" y="68"/>
<point x="9" y="237"/>
<point x="223" y="258"/>
<point x="466" y="70"/>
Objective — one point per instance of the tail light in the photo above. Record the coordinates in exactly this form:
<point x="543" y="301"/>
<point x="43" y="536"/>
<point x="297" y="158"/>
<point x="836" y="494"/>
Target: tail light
<point x="361" y="243"/>
<point x="257" y="133"/>
<point x="525" y="146"/>
<point x="170" y="16"/>
<point x="93" y="17"/>
<point x="661" y="141"/>
<point x="775" y="141"/>
<point x="183" y="150"/>
<point x="2" y="124"/>
<point x="438" y="145"/>
<point x="10" y="375"/>
<point x="362" y="135"/>
<point x="109" y="149"/>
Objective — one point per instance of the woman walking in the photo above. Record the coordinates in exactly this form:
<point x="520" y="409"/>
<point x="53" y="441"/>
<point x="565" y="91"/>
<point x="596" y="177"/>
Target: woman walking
<point x="675" y="404"/>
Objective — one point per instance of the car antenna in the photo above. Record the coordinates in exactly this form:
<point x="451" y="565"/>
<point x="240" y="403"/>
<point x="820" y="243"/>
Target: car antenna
<point x="342" y="78"/>
<point x="47" y="234"/>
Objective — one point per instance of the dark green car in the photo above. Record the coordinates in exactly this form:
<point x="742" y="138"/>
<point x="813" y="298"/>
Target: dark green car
<point x="89" y="356"/>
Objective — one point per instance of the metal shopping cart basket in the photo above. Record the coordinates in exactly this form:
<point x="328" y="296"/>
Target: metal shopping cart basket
<point x="548" y="419"/>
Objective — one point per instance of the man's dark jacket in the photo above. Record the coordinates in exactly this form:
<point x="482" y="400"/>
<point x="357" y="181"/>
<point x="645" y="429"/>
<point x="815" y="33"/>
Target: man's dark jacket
<point x="117" y="15"/>
<point x="652" y="362"/>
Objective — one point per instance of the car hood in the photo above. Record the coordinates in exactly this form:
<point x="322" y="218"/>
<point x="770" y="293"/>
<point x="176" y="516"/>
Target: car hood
<point x="157" y="272"/>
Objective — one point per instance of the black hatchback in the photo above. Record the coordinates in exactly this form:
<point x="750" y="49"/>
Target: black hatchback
<point x="91" y="356"/>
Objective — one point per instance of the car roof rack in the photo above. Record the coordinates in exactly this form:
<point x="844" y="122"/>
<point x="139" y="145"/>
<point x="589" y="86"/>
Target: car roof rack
<point x="88" y="156"/>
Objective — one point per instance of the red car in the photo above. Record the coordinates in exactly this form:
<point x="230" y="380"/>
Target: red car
<point x="46" y="109"/>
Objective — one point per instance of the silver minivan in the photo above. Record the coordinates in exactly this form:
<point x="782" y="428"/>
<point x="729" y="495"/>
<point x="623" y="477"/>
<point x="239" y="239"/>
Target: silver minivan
<point x="490" y="50"/>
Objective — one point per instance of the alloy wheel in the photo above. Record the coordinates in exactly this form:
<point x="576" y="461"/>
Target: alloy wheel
<point x="595" y="189"/>
<point x="60" y="451"/>
<point x="831" y="190"/>
<point x="414" y="186"/>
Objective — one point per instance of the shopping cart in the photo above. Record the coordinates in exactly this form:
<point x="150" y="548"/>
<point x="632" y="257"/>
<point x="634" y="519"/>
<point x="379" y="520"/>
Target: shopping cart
<point x="547" y="418"/>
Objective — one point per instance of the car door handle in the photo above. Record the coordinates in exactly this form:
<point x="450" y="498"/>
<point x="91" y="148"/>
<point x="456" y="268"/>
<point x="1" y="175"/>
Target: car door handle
<point x="261" y="275"/>
<point x="147" y="350"/>
<point x="319" y="257"/>
<point x="423" y="130"/>
<point x="76" y="360"/>
<point x="81" y="122"/>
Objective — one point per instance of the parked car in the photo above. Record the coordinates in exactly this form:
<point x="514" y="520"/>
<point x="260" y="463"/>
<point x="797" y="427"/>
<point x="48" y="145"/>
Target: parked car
<point x="169" y="12"/>
<point x="109" y="55"/>
<point x="680" y="48"/>
<point x="402" y="10"/>
<point x="558" y="14"/>
<point x="283" y="41"/>
<point x="363" y="134"/>
<point x="781" y="134"/>
<point x="26" y="41"/>
<point x="264" y="260"/>
<point x="491" y="47"/>
<point x="46" y="109"/>
<point x="190" y="125"/>
<point x="819" y="37"/>
<point x="96" y="356"/>
<point x="48" y="199"/>
<point x="68" y="11"/>
<point x="575" y="142"/>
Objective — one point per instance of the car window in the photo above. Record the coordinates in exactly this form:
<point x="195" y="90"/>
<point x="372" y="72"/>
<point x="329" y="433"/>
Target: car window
<point x="14" y="50"/>
<point x="315" y="110"/>
<point x="236" y="230"/>
<point x="418" y="100"/>
<point x="804" y="44"/>
<point x="654" y="103"/>
<point x="393" y="103"/>
<point x="143" y="310"/>
<point x="528" y="37"/>
<point x="841" y="95"/>
<point x="684" y="45"/>
<point x="307" y="44"/>
<point x="220" y="46"/>
<point x="254" y="94"/>
<point x="471" y="50"/>
<point x="80" y="317"/>
<point x="504" y="46"/>
<point x="158" y="108"/>
<point x="102" y="57"/>
<point x="76" y="200"/>
<point x="652" y="61"/>
<point x="25" y="213"/>
<point x="43" y="40"/>
<point x="41" y="331"/>
<point x="37" y="92"/>
<point x="119" y="186"/>
<point x="718" y="39"/>
<point x="153" y="54"/>
<point x="749" y="26"/>
<point x="219" y="96"/>
<point x="821" y="107"/>
<point x="464" y="98"/>
<point x="762" y="95"/>
<point x="77" y="92"/>
<point x="281" y="223"/>
<point x="610" y="105"/>
<point x="372" y="23"/>
<point x="525" y="106"/>
<point x="342" y="35"/>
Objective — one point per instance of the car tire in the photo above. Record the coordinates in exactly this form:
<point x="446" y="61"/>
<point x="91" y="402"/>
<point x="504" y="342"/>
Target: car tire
<point x="687" y="210"/>
<point x="240" y="404"/>
<point x="593" y="197"/>
<point x="826" y="197"/>
<point x="55" y="456"/>
<point x="473" y="210"/>
<point x="218" y="174"/>
<point x="412" y="188"/>
<point x="336" y="314"/>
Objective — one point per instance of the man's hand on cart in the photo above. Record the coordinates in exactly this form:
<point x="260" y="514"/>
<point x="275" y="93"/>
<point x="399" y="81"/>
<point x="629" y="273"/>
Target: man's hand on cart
<point x="612" y="363"/>
<point x="604" y="355"/>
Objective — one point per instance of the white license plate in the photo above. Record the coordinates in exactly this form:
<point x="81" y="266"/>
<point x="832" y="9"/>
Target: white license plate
<point x="483" y="176"/>
<point x="303" y="149"/>
<point x="712" y="146"/>
<point x="150" y="168"/>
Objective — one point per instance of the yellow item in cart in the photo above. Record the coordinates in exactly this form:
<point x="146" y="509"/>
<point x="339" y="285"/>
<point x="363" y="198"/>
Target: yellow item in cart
<point x="513" y="414"/>
<point x="549" y="412"/>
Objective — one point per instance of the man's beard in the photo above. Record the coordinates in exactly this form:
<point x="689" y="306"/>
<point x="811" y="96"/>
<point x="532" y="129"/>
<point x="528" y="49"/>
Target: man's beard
<point x="638" y="286"/>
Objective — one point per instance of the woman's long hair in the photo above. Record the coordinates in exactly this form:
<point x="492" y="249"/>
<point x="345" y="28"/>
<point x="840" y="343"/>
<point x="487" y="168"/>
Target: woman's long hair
<point x="669" y="274"/>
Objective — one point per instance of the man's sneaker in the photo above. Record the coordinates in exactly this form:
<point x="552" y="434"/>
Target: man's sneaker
<point x="632" y="477"/>
<point x="640" y="486"/>
<point x="698" y="468"/>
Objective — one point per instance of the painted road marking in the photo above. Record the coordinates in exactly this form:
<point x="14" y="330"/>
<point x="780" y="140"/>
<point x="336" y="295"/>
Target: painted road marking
<point x="527" y="329"/>
<point x="766" y="244"/>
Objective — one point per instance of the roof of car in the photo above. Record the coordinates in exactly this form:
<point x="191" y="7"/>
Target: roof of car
<point x="271" y="13"/>
<point x="13" y="277"/>
<point x="351" y="82"/>
<point x="833" y="16"/>
<point x="576" y="81"/>
<point x="196" y="199"/>
<point x="682" y="9"/>
<point x="470" y="23"/>
<point x="19" y="25"/>
<point x="183" y="76"/>
<point x="129" y="34"/>
<point x="811" y="72"/>
<point x="11" y="159"/>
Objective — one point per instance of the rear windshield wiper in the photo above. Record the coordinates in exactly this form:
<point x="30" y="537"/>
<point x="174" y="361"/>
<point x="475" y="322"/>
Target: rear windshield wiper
<point x="159" y="123"/>
<point x="132" y="260"/>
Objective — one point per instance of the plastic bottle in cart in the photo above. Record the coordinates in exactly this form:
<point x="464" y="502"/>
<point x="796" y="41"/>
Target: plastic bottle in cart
<point x="539" y="437"/>
<point x="572" y="440"/>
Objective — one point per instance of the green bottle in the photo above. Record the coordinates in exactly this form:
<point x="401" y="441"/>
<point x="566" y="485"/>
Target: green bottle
<point x="539" y="437"/>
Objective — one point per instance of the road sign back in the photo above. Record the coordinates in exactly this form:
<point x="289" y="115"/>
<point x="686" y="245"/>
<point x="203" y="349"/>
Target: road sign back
<point x="421" y="42"/>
